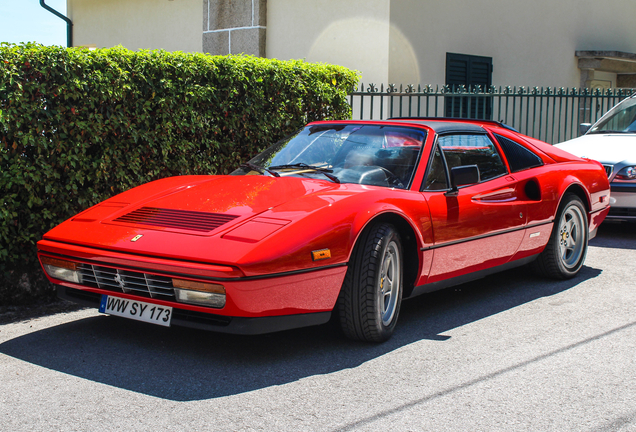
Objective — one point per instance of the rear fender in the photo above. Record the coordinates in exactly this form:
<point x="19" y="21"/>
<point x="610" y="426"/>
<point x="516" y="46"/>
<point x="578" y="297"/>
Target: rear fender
<point x="594" y="203"/>
<point x="573" y="185"/>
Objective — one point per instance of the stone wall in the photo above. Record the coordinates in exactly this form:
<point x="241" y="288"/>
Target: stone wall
<point x="234" y="26"/>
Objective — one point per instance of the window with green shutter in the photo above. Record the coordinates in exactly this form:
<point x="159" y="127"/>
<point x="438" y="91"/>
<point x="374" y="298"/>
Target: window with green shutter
<point x="468" y="70"/>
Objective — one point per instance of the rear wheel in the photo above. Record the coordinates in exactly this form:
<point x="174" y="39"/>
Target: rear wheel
<point x="369" y="302"/>
<point x="565" y="252"/>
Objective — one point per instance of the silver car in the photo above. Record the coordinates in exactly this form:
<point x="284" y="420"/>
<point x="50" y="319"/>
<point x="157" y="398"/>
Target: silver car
<point x="612" y="141"/>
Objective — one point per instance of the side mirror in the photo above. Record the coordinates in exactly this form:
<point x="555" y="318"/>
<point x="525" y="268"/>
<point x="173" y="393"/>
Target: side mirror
<point x="584" y="127"/>
<point x="463" y="175"/>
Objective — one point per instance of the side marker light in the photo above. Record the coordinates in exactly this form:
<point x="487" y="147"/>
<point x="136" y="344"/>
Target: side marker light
<point x="321" y="254"/>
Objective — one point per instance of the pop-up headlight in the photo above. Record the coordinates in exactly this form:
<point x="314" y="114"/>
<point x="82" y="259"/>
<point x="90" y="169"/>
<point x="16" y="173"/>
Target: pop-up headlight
<point x="199" y="293"/>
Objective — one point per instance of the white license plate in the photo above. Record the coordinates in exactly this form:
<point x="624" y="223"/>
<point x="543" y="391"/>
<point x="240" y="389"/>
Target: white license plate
<point x="137" y="310"/>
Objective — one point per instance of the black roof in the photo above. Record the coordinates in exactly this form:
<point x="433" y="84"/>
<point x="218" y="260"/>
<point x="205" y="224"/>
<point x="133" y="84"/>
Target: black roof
<point x="447" y="127"/>
<point x="443" y="125"/>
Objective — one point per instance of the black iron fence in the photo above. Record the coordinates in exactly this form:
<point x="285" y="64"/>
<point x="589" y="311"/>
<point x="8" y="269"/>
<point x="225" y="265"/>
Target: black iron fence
<point x="547" y="113"/>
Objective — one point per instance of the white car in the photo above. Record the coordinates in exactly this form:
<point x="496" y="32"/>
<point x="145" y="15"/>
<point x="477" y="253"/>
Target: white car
<point x="612" y="141"/>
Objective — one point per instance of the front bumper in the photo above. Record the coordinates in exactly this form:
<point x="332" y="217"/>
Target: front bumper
<point x="287" y="300"/>
<point x="622" y="202"/>
<point x="213" y="322"/>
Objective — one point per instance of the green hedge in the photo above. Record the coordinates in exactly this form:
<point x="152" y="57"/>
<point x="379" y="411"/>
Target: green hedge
<point x="78" y="126"/>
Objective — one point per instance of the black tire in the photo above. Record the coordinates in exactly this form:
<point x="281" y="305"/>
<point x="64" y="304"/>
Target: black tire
<point x="369" y="301"/>
<point x="565" y="252"/>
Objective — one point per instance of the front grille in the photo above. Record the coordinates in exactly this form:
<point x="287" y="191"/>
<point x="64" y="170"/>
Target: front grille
<point x="129" y="282"/>
<point x="608" y="169"/>
<point x="182" y="219"/>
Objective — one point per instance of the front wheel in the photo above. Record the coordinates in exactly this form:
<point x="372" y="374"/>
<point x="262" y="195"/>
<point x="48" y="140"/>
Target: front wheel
<point x="369" y="302"/>
<point x="565" y="252"/>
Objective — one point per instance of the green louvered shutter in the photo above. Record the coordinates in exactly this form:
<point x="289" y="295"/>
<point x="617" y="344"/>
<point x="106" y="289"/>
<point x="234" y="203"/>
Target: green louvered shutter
<point x="468" y="70"/>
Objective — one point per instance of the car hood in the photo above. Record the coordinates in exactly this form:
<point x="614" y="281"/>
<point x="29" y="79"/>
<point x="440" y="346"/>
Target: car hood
<point x="257" y="223"/>
<point x="240" y="196"/>
<point x="200" y="205"/>
<point x="605" y="148"/>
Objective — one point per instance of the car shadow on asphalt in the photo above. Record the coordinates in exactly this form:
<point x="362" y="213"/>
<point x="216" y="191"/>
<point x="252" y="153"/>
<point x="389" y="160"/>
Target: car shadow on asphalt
<point x="185" y="365"/>
<point x="616" y="235"/>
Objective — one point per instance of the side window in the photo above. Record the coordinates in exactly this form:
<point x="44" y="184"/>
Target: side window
<point x="519" y="157"/>
<point x="466" y="149"/>
<point x="436" y="176"/>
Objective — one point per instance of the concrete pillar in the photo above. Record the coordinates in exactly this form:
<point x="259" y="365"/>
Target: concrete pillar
<point x="234" y="27"/>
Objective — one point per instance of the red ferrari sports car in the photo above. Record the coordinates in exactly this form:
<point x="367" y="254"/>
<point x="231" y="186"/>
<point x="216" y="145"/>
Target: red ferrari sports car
<point x="342" y="219"/>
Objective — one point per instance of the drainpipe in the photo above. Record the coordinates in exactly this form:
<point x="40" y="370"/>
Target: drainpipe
<point x="69" y="23"/>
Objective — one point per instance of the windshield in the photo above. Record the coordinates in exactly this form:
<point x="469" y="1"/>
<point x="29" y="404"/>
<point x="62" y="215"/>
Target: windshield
<point x="363" y="154"/>
<point x="620" y="119"/>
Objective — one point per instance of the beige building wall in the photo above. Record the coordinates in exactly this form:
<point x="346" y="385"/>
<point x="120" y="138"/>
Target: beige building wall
<point x="532" y="43"/>
<point x="351" y="33"/>
<point x="173" y="25"/>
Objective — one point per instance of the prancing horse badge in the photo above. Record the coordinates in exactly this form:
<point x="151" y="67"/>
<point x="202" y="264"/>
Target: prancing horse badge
<point x="137" y="237"/>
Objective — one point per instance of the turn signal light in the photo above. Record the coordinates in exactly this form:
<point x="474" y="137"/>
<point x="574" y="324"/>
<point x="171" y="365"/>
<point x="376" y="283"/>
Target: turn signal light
<point x="198" y="286"/>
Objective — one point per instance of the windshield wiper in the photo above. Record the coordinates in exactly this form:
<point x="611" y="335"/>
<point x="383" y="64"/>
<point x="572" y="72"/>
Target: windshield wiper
<point x="324" y="171"/>
<point x="331" y="177"/>
<point x="598" y="131"/>
<point x="260" y="170"/>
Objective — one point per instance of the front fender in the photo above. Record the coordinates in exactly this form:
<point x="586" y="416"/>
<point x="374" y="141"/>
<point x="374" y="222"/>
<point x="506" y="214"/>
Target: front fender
<point x="336" y="226"/>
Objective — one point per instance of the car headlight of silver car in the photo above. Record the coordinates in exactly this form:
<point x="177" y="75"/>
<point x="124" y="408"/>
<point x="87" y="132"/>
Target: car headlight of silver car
<point x="627" y="173"/>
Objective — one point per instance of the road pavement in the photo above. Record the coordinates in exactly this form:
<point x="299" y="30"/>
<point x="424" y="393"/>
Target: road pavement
<point x="509" y="352"/>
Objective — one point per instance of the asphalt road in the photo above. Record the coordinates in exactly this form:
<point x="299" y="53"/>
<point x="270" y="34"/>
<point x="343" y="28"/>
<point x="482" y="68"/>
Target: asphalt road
<point x="509" y="352"/>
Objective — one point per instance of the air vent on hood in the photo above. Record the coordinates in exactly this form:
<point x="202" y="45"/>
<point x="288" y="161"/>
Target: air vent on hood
<point x="181" y="219"/>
